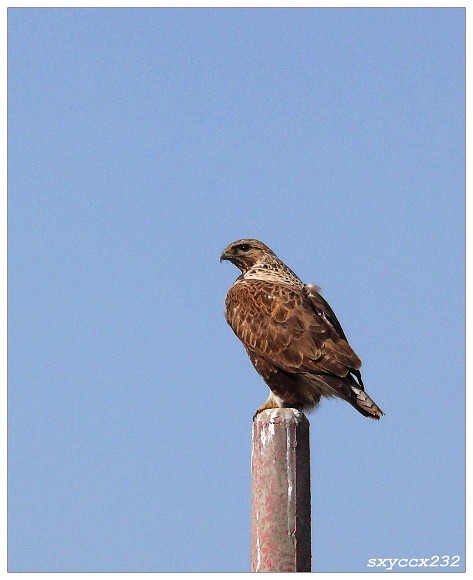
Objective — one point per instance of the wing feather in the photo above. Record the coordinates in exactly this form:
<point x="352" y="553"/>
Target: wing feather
<point x="292" y="328"/>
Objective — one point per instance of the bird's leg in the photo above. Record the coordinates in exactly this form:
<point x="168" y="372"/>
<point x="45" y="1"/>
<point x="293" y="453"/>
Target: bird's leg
<point x="275" y="402"/>
<point x="273" y="405"/>
<point x="270" y="404"/>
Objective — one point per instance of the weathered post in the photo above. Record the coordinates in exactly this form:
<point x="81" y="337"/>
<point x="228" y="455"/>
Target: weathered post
<point x="280" y="492"/>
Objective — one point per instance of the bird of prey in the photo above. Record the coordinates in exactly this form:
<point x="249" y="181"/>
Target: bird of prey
<point x="291" y="334"/>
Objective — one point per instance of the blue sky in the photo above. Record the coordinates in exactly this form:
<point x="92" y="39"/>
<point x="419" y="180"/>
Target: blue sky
<point x="141" y="143"/>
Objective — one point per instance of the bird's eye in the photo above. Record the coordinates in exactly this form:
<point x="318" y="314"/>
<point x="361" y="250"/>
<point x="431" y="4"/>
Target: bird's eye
<point x="243" y="247"/>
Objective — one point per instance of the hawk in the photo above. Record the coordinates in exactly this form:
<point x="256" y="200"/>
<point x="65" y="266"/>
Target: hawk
<point x="291" y="334"/>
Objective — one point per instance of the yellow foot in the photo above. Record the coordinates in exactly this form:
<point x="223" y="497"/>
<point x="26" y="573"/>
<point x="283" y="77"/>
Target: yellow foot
<point x="270" y="404"/>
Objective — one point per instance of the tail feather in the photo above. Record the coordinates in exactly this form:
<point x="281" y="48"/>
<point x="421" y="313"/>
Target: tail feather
<point x="363" y="403"/>
<point x="351" y="389"/>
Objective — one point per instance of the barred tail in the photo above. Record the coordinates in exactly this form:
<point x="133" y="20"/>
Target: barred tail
<point x="363" y="403"/>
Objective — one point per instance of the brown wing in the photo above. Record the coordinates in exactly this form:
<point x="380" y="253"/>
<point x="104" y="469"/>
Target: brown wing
<point x="323" y="308"/>
<point x="280" y="324"/>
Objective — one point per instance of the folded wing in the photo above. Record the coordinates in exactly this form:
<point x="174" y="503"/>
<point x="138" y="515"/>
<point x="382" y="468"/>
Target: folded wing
<point x="293" y="328"/>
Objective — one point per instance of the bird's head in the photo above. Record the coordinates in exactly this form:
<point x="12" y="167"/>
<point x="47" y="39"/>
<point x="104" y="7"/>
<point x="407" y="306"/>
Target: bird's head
<point x="246" y="253"/>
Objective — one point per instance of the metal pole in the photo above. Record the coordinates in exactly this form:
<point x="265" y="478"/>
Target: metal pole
<point x="280" y="492"/>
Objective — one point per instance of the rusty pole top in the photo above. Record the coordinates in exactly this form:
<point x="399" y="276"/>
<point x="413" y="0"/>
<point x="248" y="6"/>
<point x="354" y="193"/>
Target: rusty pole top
<point x="280" y="495"/>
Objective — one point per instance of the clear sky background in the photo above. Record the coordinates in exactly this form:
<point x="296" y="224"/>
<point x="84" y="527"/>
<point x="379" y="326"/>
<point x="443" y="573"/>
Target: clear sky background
<point x="141" y="143"/>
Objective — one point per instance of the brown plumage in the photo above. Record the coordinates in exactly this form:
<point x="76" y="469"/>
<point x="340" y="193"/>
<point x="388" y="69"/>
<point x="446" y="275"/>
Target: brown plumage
<point x="291" y="334"/>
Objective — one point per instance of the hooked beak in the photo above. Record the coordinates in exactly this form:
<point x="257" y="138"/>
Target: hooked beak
<point x="224" y="256"/>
